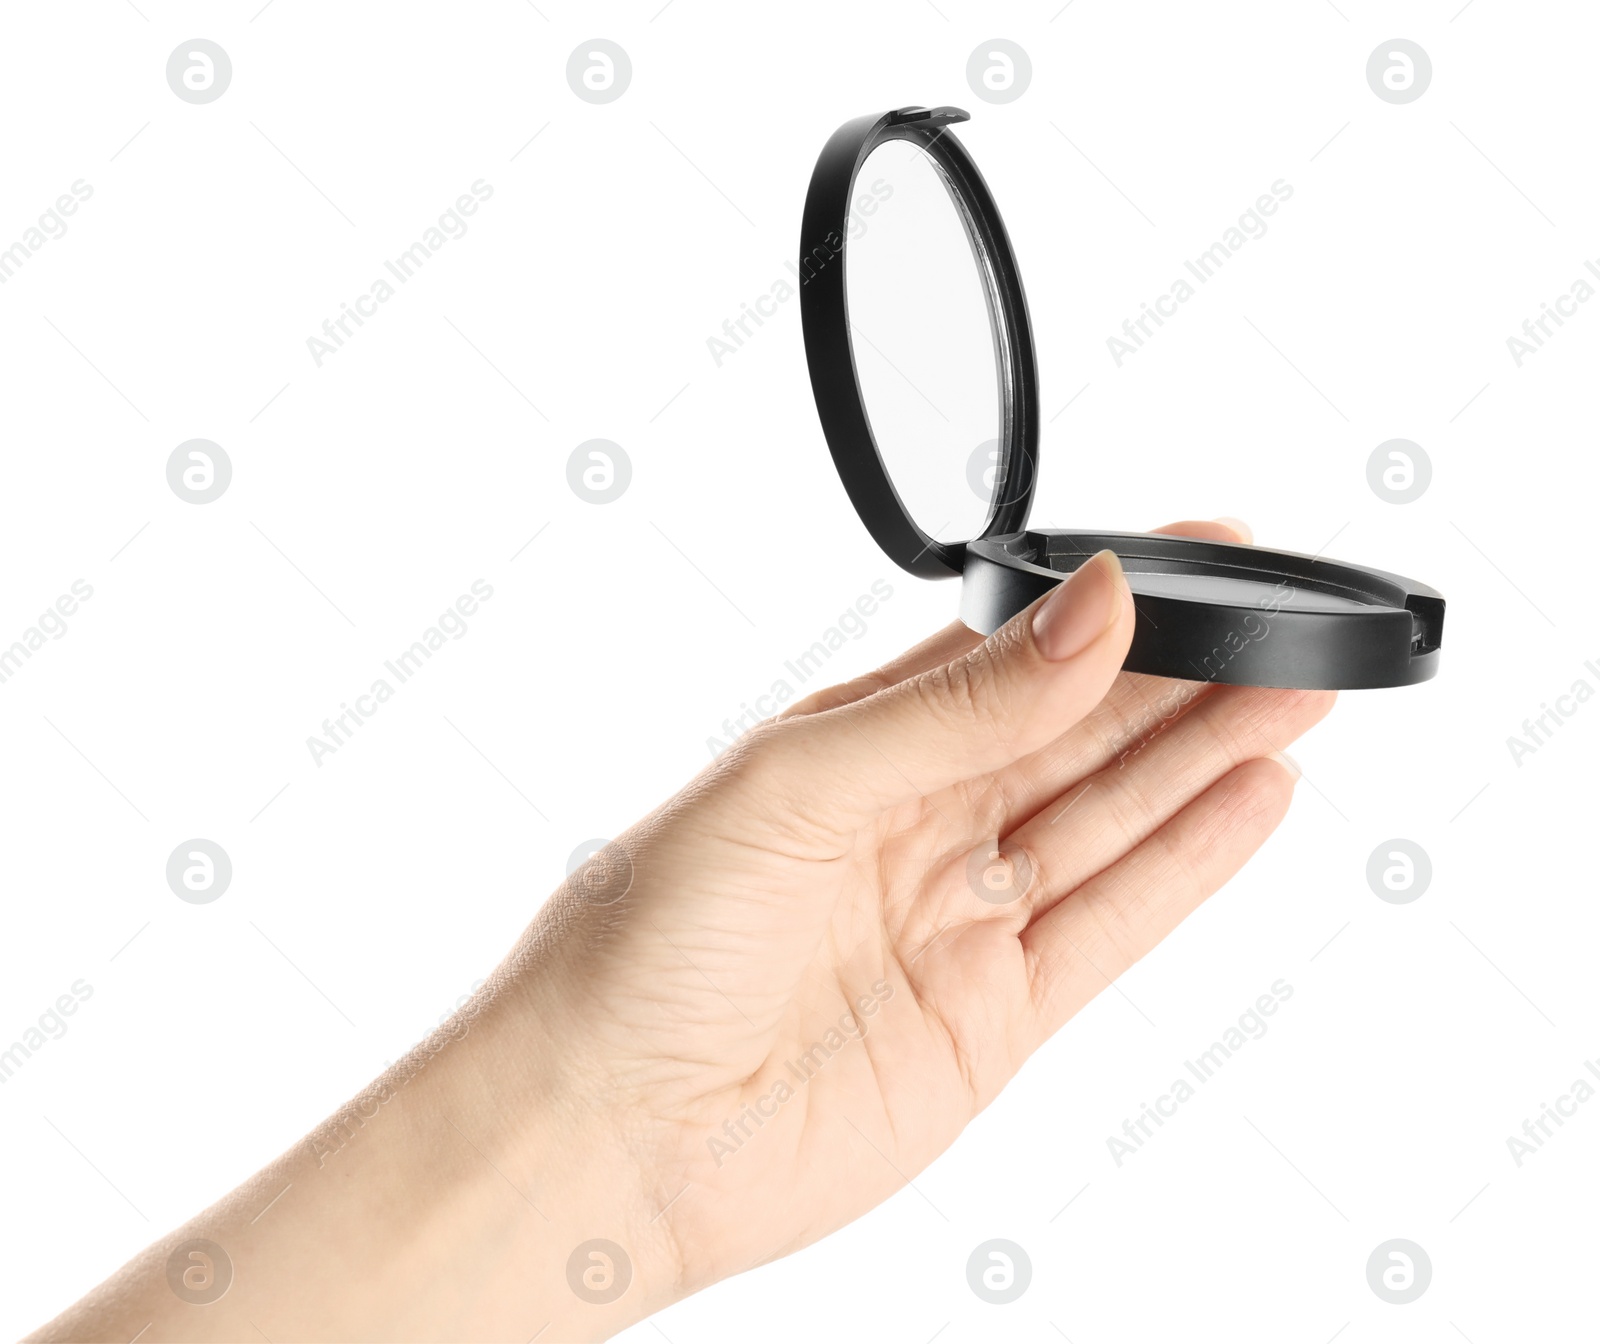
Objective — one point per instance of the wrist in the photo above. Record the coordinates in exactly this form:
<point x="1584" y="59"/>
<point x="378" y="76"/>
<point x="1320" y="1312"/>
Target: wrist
<point x="559" y="1191"/>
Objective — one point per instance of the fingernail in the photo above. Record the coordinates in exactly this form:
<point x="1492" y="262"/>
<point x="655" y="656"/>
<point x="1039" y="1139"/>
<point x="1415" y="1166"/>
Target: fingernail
<point x="1079" y="610"/>
<point x="1288" y="762"/>
<point x="1238" y="525"/>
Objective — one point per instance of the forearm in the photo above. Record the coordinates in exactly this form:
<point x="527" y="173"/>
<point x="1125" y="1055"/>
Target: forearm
<point x="445" y="1201"/>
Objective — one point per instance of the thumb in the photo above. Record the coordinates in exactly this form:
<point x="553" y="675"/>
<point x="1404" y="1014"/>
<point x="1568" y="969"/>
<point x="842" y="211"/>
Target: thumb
<point x="1024" y="686"/>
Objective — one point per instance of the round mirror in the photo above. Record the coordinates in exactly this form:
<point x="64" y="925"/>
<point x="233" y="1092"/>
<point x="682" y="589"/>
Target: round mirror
<point x="922" y="336"/>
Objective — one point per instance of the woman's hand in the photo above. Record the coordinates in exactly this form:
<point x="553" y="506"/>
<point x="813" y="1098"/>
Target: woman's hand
<point x="799" y="980"/>
<point x="766" y="1007"/>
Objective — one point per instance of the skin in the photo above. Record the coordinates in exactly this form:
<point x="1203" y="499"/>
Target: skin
<point x="939" y="864"/>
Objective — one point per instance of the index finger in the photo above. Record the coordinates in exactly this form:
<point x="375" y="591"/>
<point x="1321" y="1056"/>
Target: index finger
<point x="956" y="640"/>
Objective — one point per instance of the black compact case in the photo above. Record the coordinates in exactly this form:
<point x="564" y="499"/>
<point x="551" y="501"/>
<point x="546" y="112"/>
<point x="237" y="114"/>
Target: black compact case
<point x="1207" y="611"/>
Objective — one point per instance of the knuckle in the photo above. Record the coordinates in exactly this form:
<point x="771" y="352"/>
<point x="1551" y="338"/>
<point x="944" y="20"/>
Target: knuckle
<point x="1112" y="938"/>
<point x="759" y="759"/>
<point x="1231" y="728"/>
<point x="1187" y="871"/>
<point x="1131" y="811"/>
<point x="945" y="694"/>
<point x="1251" y="798"/>
<point x="769" y="780"/>
<point x="1243" y="726"/>
<point x="961" y="693"/>
<point x="833" y="697"/>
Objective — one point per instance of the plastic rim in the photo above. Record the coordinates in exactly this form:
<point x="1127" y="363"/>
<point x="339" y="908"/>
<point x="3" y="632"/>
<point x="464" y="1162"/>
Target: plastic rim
<point x="830" y="355"/>
<point x="1372" y="629"/>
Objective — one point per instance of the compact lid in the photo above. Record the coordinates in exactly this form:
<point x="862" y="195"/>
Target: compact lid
<point x="930" y="334"/>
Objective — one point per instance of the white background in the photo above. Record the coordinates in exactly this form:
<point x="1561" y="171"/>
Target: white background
<point x="369" y="493"/>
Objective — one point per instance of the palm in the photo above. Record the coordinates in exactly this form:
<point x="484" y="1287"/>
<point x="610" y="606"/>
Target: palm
<point x="810" y="992"/>
<point x="858" y="1013"/>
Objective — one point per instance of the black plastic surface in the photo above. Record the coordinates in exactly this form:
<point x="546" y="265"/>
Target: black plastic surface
<point x="1207" y="611"/>
<point x="830" y="355"/>
<point x="1238" y="615"/>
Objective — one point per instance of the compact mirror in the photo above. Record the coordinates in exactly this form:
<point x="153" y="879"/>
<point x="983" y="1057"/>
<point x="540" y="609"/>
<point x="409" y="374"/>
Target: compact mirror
<point x="922" y="364"/>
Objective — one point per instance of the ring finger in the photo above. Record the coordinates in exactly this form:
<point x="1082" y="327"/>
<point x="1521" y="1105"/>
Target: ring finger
<point x="1085" y="830"/>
